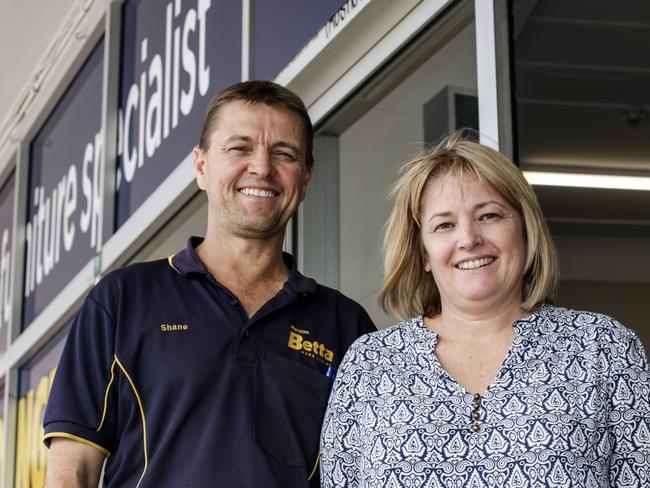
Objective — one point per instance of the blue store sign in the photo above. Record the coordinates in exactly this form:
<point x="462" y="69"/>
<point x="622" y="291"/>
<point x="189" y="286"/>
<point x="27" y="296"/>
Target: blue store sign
<point x="284" y="27"/>
<point x="175" y="57"/>
<point x="65" y="189"/>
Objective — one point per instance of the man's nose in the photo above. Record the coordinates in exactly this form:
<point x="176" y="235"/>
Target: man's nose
<point x="260" y="164"/>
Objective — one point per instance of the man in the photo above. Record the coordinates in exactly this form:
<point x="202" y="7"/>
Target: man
<point x="213" y="367"/>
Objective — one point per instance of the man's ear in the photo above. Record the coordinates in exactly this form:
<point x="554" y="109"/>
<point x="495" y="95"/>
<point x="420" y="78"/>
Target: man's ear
<point x="200" y="165"/>
<point x="309" y="171"/>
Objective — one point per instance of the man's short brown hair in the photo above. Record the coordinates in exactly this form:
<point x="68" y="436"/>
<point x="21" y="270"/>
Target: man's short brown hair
<point x="258" y="91"/>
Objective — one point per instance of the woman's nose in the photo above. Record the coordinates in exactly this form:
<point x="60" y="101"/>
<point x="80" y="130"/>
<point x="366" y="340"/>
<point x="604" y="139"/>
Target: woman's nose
<point x="470" y="235"/>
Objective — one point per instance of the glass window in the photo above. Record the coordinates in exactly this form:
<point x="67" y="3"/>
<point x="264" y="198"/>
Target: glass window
<point x="413" y="101"/>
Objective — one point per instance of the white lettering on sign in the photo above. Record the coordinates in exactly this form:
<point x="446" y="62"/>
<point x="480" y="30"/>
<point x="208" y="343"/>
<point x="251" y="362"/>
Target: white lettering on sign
<point x="5" y="276"/>
<point x="341" y="17"/>
<point x="91" y="187"/>
<point x="51" y="229"/>
<point x="156" y="100"/>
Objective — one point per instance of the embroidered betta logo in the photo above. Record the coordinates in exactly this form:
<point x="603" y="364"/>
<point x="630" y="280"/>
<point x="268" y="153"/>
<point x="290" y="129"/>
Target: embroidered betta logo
<point x="309" y="348"/>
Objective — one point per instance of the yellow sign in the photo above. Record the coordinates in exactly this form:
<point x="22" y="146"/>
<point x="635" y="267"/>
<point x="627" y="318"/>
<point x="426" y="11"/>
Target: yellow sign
<point x="2" y="444"/>
<point x="31" y="453"/>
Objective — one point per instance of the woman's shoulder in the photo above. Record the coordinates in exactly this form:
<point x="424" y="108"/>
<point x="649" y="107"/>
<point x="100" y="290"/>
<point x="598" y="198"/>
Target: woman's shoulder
<point x="589" y="328"/>
<point x="391" y="340"/>
<point x="582" y="320"/>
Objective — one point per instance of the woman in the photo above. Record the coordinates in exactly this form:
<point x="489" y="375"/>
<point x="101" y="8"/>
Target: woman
<point x="487" y="384"/>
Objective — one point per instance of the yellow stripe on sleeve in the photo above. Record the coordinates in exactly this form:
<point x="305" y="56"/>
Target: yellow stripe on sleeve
<point x="144" y="422"/>
<point x="65" y="435"/>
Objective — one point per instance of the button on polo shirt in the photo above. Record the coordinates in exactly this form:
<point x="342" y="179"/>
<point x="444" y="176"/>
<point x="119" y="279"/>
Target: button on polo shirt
<point x="164" y="371"/>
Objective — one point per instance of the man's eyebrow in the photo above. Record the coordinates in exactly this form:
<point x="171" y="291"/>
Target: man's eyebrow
<point x="237" y="137"/>
<point x="289" y="145"/>
<point x="281" y="143"/>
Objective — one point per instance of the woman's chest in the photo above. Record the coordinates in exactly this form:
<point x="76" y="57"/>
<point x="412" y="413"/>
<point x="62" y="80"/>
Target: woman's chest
<point x="527" y="426"/>
<point x="560" y="402"/>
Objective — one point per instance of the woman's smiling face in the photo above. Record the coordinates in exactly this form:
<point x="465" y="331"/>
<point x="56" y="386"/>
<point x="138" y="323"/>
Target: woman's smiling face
<point x="473" y="243"/>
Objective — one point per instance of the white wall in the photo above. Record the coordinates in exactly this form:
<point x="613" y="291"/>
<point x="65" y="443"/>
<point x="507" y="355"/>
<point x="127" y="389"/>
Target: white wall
<point x="27" y="29"/>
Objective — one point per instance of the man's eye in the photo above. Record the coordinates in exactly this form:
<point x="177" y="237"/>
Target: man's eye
<point x="238" y="149"/>
<point x="284" y="155"/>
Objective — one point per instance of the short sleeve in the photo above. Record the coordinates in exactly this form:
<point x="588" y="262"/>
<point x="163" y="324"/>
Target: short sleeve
<point x="341" y="439"/>
<point x="82" y="400"/>
<point x="629" y="422"/>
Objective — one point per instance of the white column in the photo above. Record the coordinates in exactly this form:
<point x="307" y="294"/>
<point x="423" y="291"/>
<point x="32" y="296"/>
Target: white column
<point x="493" y="74"/>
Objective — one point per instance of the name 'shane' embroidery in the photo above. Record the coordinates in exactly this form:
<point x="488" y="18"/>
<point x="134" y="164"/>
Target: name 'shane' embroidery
<point x="174" y="327"/>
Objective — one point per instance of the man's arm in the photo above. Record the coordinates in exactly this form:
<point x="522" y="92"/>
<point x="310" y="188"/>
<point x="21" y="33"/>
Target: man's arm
<point x="72" y="464"/>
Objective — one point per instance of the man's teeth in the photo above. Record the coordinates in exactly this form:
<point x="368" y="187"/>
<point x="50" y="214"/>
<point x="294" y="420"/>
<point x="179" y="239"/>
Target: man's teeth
<point x="477" y="263"/>
<point x="256" y="192"/>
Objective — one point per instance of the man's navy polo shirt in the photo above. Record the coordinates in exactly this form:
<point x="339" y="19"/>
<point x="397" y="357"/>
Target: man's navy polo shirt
<point x="164" y="371"/>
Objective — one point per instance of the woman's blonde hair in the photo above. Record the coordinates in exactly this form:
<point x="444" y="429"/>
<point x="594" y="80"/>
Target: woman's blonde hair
<point x="408" y="289"/>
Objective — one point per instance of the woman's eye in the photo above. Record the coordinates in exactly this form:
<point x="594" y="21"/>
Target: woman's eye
<point x="443" y="226"/>
<point x="489" y="216"/>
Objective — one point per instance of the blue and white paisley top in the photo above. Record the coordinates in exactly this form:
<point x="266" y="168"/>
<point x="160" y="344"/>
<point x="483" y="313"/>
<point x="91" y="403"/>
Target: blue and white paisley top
<point x="570" y="407"/>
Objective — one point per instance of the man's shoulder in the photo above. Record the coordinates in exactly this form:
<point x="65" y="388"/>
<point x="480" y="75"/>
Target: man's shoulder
<point x="334" y="310"/>
<point x="132" y="277"/>
<point x="331" y="295"/>
<point x="135" y="271"/>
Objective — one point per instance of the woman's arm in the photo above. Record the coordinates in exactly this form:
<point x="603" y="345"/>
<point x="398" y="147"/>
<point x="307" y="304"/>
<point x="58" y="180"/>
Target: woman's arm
<point x="629" y="421"/>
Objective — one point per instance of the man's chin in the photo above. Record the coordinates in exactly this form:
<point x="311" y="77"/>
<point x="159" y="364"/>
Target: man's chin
<point x="259" y="229"/>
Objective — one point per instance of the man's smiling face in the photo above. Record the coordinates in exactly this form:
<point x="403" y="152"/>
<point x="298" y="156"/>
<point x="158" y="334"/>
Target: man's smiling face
<point x="254" y="170"/>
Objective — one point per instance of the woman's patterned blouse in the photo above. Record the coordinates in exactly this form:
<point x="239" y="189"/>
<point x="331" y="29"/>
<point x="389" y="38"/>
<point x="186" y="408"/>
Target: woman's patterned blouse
<point x="570" y="407"/>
